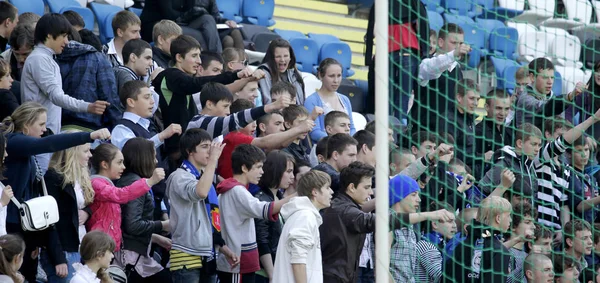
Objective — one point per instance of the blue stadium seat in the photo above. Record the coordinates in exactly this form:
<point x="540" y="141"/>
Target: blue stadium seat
<point x="500" y="64"/>
<point x="259" y="12"/>
<point x="230" y="9"/>
<point x="85" y="13"/>
<point x="104" y="14"/>
<point x="355" y="95"/>
<point x="263" y="39"/>
<point x="341" y="52"/>
<point x="136" y="11"/>
<point x="489" y="11"/>
<point x="474" y="36"/>
<point x="503" y="42"/>
<point x="35" y="6"/>
<point x="557" y="87"/>
<point x="458" y="19"/>
<point x="289" y="34"/>
<point x="509" y="83"/>
<point x="364" y="86"/>
<point x="321" y="39"/>
<point x="460" y="7"/>
<point x="56" y="6"/>
<point x="435" y="20"/>
<point x="434" y="5"/>
<point x="307" y="53"/>
<point x="488" y="27"/>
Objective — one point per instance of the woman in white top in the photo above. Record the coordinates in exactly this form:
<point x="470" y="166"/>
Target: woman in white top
<point x="96" y="252"/>
<point x="12" y="249"/>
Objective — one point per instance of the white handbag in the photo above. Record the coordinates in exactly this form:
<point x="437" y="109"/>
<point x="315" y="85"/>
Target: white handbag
<point x="38" y="213"/>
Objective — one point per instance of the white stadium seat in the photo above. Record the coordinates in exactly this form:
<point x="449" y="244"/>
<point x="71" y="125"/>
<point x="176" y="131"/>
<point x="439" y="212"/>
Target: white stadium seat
<point x="570" y="77"/>
<point x="539" y="11"/>
<point x="579" y="13"/>
<point x="360" y="122"/>
<point x="565" y="51"/>
<point x="532" y="45"/>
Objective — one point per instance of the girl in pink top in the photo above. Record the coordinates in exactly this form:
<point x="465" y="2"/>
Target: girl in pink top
<point x="106" y="208"/>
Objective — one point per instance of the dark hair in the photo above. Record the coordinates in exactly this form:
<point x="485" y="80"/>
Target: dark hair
<point x="313" y="179"/>
<point x="88" y="37"/>
<point x="264" y="119"/>
<point x="276" y="165"/>
<point x="457" y="162"/>
<point x="562" y="263"/>
<point x="140" y="157"/>
<point x="580" y="141"/>
<point x="292" y="113"/>
<point x="94" y="245"/>
<point x="555" y="123"/>
<point x="434" y="206"/>
<point x="596" y="233"/>
<point x="207" y="57"/>
<point x="334" y="115"/>
<point x="134" y="46"/>
<point x="73" y="35"/>
<point x="123" y="20"/>
<point x="182" y="45"/>
<point x="354" y="173"/>
<point x="269" y="59"/>
<point x="526" y="131"/>
<point x="105" y="152"/>
<point x="540" y="64"/>
<point x="338" y="143"/>
<point x="74" y="18"/>
<point x="245" y="155"/>
<point x="11" y="245"/>
<point x="495" y="93"/>
<point x="572" y="227"/>
<point x="324" y="65"/>
<point x="7" y="11"/>
<point x="466" y="85"/>
<point x="521" y="211"/>
<point x="420" y="137"/>
<point x="588" y="274"/>
<point x="21" y="36"/>
<point x="2" y="149"/>
<point x="214" y="92"/>
<point x="363" y="137"/>
<point x="190" y="139"/>
<point x="240" y="105"/>
<point x="52" y="24"/>
<point x="131" y="89"/>
<point x="449" y="28"/>
<point x="283" y="86"/>
<point x="322" y="146"/>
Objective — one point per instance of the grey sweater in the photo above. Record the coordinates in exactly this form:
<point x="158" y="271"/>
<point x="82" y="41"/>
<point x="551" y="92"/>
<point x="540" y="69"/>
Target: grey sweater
<point x="190" y="224"/>
<point x="41" y="82"/>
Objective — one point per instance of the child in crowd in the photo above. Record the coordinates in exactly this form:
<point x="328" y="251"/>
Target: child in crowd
<point x="299" y="251"/>
<point x="96" y="251"/>
<point x="320" y="152"/>
<point x="295" y="116"/>
<point x="238" y="208"/>
<point x="12" y="251"/>
<point x="341" y="151"/>
<point x="335" y="122"/>
<point x="108" y="162"/>
<point x="163" y="33"/>
<point x="522" y="230"/>
<point x="126" y="26"/>
<point x="270" y="123"/>
<point x="9" y="101"/>
<point x="542" y="243"/>
<point x="566" y="269"/>
<point x="578" y="241"/>
<point x="400" y="159"/>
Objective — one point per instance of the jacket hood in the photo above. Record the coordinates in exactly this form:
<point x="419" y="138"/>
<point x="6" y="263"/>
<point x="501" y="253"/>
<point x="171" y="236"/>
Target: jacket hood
<point x="508" y="153"/>
<point x="75" y="49"/>
<point x="227" y="185"/>
<point x="300" y="203"/>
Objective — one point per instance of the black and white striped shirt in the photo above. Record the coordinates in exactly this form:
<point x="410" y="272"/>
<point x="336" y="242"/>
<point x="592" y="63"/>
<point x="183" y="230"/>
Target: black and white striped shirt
<point x="217" y="126"/>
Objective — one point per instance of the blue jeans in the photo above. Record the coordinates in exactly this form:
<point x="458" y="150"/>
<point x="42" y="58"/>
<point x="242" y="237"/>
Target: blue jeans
<point x="366" y="275"/>
<point x="50" y="269"/>
<point x="185" y="275"/>
<point x="404" y="71"/>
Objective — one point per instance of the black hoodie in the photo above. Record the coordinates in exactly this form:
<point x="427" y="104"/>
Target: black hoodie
<point x="480" y="258"/>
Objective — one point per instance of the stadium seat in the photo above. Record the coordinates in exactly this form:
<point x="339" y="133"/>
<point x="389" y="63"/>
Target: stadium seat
<point x="85" y="13"/>
<point x="289" y="34"/>
<point x="356" y="96"/>
<point x="263" y="39"/>
<point x="509" y="82"/>
<point x="311" y="83"/>
<point x="532" y="45"/>
<point x="435" y="21"/>
<point x="104" y="14"/>
<point x="463" y="8"/>
<point x="579" y="12"/>
<point x="307" y="53"/>
<point x="342" y="53"/>
<point x="458" y="19"/>
<point x="517" y="5"/>
<point x="136" y="11"/>
<point x="500" y="12"/>
<point x="249" y="31"/>
<point x="360" y="122"/>
<point x="35" y="6"/>
<point x="500" y="64"/>
<point x="590" y="53"/>
<point x="570" y="77"/>
<point x="434" y="5"/>
<point x="522" y="28"/>
<point x="230" y="9"/>
<point x="566" y="51"/>
<point x="364" y="86"/>
<point x="589" y="30"/>
<point x="557" y="87"/>
<point x="552" y="33"/>
<point x="370" y="117"/>
<point x="539" y="11"/>
<point x="321" y="39"/>
<point x="474" y="36"/>
<point x="56" y="6"/>
<point x="503" y="42"/>
<point x="259" y="12"/>
<point x="488" y="27"/>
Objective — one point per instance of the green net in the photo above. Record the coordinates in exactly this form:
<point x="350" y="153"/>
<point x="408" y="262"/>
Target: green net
<point x="497" y="99"/>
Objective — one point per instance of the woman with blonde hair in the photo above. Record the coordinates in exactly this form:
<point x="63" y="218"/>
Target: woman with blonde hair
<point x="68" y="181"/>
<point x="24" y="129"/>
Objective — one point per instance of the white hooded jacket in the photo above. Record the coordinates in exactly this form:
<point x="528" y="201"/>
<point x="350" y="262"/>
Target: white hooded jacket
<point x="299" y="242"/>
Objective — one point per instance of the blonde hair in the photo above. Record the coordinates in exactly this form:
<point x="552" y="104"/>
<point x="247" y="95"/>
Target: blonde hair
<point x="521" y="73"/>
<point x="94" y="245"/>
<point x="314" y="179"/>
<point x="23" y="116"/>
<point x="232" y="54"/>
<point x="165" y="28"/>
<point x="491" y="207"/>
<point x="65" y="163"/>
